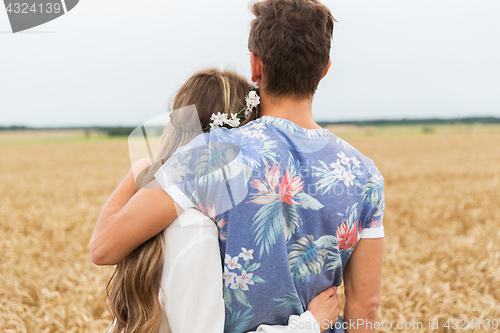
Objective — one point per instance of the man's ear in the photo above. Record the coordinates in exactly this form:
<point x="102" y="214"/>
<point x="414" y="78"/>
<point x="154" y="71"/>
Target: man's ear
<point x="327" y="68"/>
<point x="256" y="65"/>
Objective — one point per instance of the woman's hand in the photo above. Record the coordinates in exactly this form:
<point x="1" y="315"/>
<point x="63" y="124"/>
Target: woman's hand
<point x="325" y="308"/>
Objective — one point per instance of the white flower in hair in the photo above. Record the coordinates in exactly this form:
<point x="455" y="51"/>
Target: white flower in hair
<point x="253" y="99"/>
<point x="233" y="121"/>
<point x="253" y="84"/>
<point x="218" y="119"/>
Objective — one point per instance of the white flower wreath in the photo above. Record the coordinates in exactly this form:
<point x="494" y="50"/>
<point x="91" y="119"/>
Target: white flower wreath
<point x="252" y="101"/>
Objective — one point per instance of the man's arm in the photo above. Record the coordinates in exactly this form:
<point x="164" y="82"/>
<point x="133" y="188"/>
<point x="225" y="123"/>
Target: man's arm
<point x="130" y="218"/>
<point x="362" y="280"/>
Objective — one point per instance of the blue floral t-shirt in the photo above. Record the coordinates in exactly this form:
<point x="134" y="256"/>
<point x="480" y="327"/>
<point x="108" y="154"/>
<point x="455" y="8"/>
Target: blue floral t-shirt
<point x="291" y="205"/>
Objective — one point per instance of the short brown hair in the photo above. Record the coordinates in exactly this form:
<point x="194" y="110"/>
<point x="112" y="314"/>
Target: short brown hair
<point x="293" y="40"/>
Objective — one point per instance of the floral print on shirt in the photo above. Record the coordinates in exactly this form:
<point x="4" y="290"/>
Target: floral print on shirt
<point x="291" y="205"/>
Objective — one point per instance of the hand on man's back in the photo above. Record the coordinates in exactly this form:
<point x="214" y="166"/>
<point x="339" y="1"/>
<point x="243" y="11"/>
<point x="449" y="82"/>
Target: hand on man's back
<point x="325" y="308"/>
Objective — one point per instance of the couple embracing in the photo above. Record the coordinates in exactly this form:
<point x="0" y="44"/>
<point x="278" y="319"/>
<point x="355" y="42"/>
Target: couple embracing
<point x="254" y="223"/>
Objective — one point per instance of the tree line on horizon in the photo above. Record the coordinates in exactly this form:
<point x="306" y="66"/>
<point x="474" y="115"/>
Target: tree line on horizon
<point x="126" y="130"/>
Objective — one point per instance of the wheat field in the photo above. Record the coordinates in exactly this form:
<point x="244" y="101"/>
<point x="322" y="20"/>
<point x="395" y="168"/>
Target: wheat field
<point x="442" y="245"/>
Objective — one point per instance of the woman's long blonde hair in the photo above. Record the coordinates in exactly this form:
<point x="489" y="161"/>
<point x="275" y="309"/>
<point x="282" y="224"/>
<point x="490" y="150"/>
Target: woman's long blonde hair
<point x="133" y="288"/>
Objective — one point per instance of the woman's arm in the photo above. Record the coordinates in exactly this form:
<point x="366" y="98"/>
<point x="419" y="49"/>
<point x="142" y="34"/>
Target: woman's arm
<point x="129" y="218"/>
<point x="362" y="280"/>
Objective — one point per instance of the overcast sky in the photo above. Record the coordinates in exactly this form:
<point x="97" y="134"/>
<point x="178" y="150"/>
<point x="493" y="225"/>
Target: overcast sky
<point x="117" y="62"/>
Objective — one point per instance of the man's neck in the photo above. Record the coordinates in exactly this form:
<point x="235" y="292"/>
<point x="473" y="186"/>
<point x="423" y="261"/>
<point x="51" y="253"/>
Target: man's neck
<point x="298" y="111"/>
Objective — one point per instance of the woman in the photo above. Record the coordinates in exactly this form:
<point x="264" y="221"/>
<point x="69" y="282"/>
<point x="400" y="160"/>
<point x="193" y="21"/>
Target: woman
<point x="174" y="279"/>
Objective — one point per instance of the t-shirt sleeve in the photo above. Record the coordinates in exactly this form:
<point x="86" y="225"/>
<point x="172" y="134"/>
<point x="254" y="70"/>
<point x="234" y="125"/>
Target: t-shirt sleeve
<point x="207" y="174"/>
<point x="373" y="197"/>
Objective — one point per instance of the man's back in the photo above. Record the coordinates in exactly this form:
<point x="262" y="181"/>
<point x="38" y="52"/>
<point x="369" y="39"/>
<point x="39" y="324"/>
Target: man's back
<point x="299" y="202"/>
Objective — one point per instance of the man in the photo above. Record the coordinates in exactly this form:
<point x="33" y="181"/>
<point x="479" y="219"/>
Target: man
<point x="300" y="209"/>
